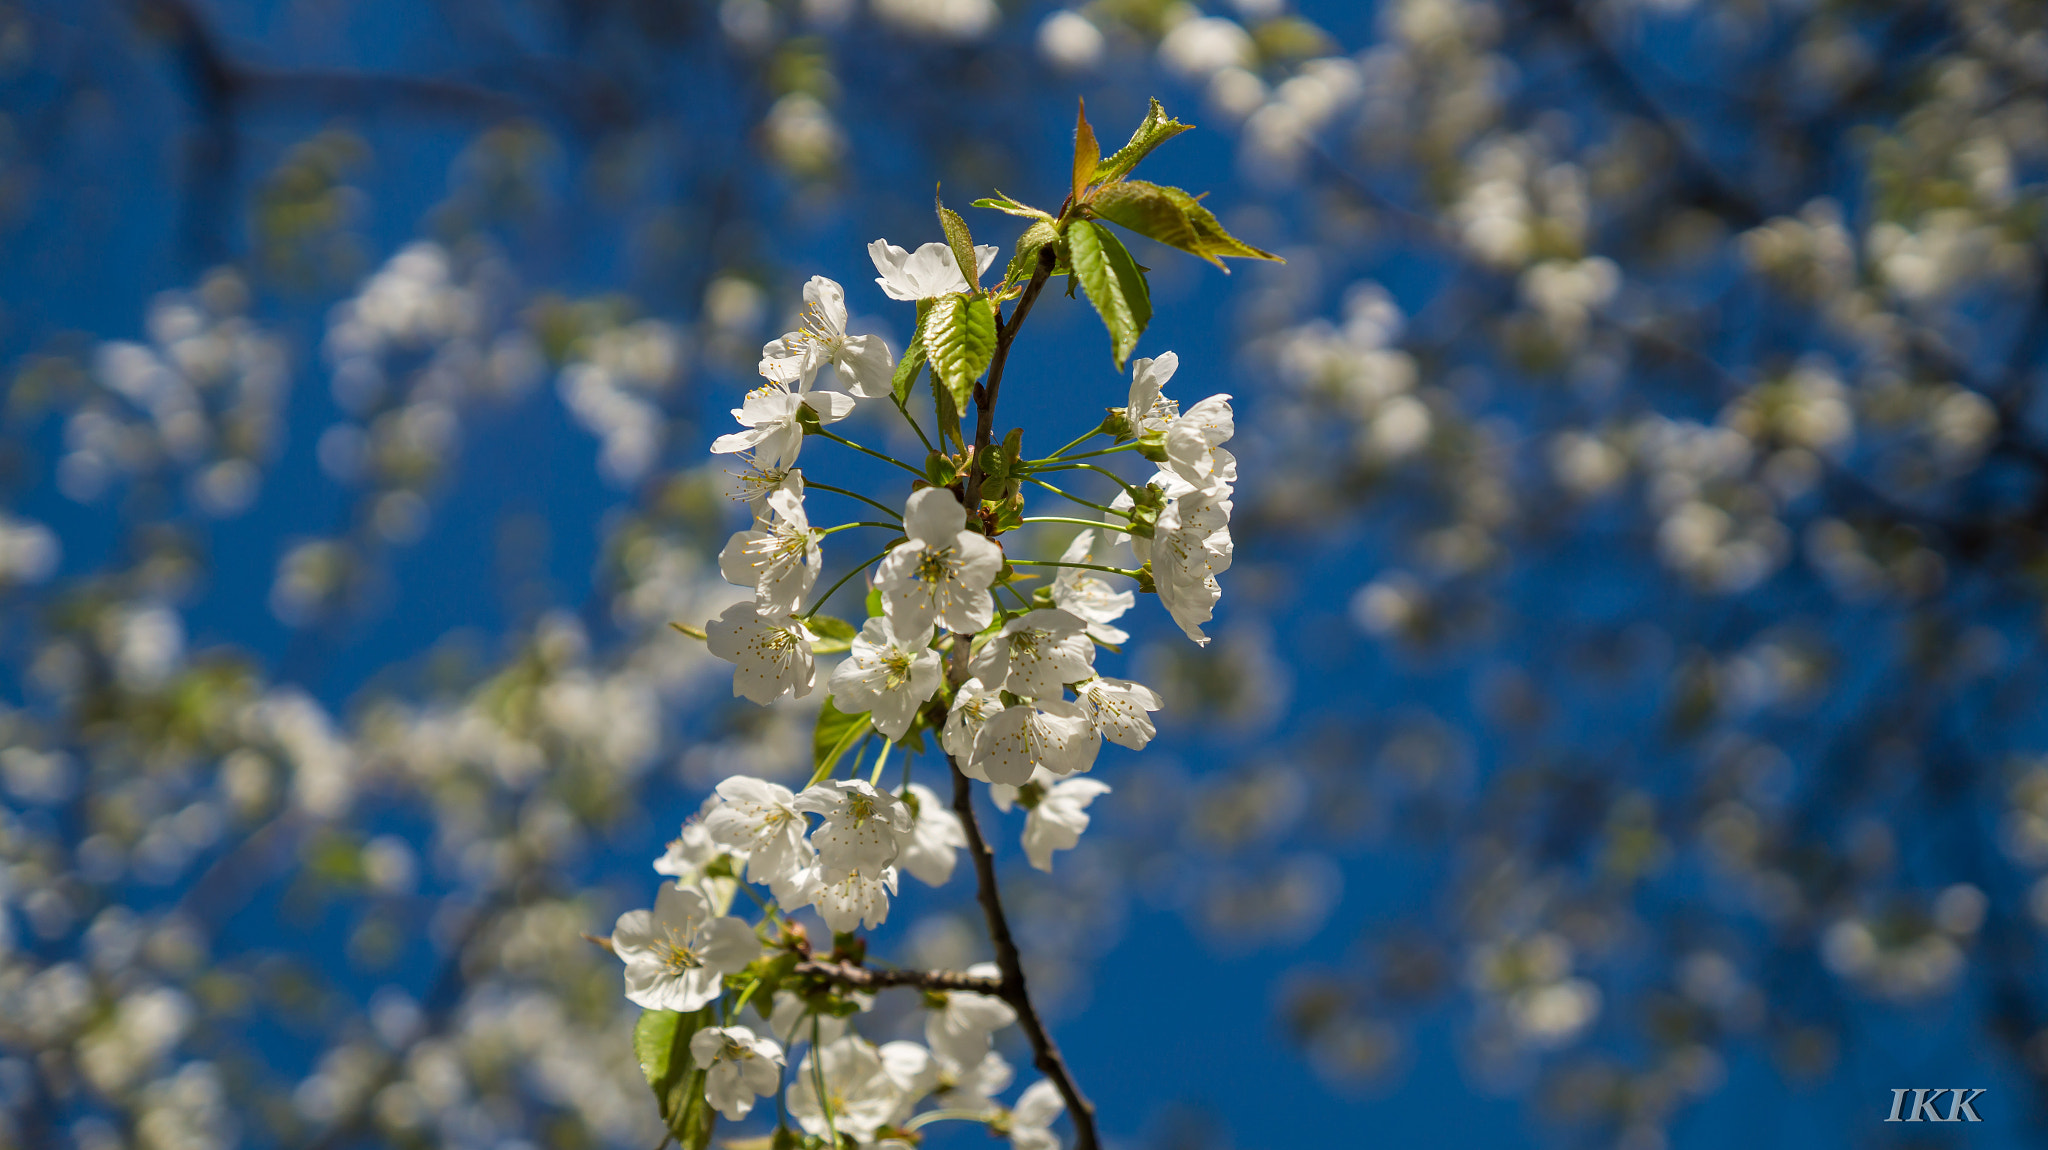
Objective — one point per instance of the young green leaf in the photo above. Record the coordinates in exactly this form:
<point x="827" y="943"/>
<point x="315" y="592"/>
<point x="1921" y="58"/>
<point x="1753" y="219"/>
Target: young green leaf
<point x="833" y="634"/>
<point x="962" y="242"/>
<point x="959" y="339"/>
<point x="1156" y="129"/>
<point x="1026" y="257"/>
<point x="661" y="1042"/>
<point x="1087" y="153"/>
<point x="1147" y="210"/>
<point x="1113" y="283"/>
<point x="1212" y="241"/>
<point x="1003" y="203"/>
<point x="913" y="358"/>
<point x="835" y="734"/>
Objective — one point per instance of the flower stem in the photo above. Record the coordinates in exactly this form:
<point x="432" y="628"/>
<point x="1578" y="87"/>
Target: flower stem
<point x="905" y="409"/>
<point x="1085" y="437"/>
<point x="862" y="523"/>
<point x="1082" y="566"/>
<point x="864" y="565"/>
<point x="818" y="1080"/>
<point x="881" y="760"/>
<point x="1061" y="456"/>
<point x="882" y="507"/>
<point x="1120" y="480"/>
<point x="917" y="471"/>
<point x="1102" y="507"/>
<point x="930" y="1116"/>
<point x="1064" y="519"/>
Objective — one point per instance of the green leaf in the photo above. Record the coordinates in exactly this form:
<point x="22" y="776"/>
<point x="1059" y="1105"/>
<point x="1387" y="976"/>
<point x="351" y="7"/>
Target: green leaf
<point x="962" y="242"/>
<point x="1003" y="203"/>
<point x="1113" y="283"/>
<point x="1212" y="241"/>
<point x="835" y="734"/>
<point x="661" y="1043"/>
<point x="1087" y="153"/>
<point x="913" y="358"/>
<point x="1147" y="210"/>
<point x="959" y="339"/>
<point x="1156" y="129"/>
<point x="832" y="634"/>
<point x="1025" y="259"/>
<point x="875" y="600"/>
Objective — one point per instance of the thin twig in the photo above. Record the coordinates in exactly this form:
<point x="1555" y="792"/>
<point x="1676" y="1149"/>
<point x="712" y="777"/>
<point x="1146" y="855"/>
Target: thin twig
<point x="985" y="396"/>
<point x="862" y="978"/>
<point x="1045" y="1052"/>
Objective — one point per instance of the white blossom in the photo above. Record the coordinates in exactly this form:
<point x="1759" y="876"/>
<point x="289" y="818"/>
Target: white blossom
<point x="791" y="1019"/>
<point x="889" y="671"/>
<point x="770" y="415"/>
<point x="1057" y="812"/>
<point x="858" y="1087"/>
<point x="862" y="825"/>
<point x="1118" y="708"/>
<point x="972" y="1087"/>
<point x="1194" y="443"/>
<point x="862" y="362"/>
<point x="941" y="573"/>
<point x="1149" y="410"/>
<point x="742" y="1065"/>
<point x="929" y="272"/>
<point x="780" y="558"/>
<point x="761" y="818"/>
<point x="927" y="851"/>
<point x="853" y="900"/>
<point x="1190" y="546"/>
<point x="914" y="1071"/>
<point x="973" y="703"/>
<point x="677" y="955"/>
<point x="1088" y="596"/>
<point x="960" y="1022"/>
<point x="771" y="656"/>
<point x="1031" y="1119"/>
<point x="691" y="851"/>
<point x="1050" y="733"/>
<point x="1036" y="654"/>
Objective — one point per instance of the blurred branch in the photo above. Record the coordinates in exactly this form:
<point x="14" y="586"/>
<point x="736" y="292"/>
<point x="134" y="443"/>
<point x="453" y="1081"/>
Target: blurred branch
<point x="862" y="978"/>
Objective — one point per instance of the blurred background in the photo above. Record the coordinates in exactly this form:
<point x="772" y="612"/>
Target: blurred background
<point x="1618" y="733"/>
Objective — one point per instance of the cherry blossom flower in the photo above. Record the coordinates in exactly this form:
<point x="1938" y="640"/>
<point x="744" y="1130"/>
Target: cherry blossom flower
<point x="771" y="656"/>
<point x="677" y="955"/>
<point x="742" y="1065"/>
<point x="862" y="1095"/>
<point x="862" y="362"/>
<point x="1036" y="654"/>
<point x="914" y="1071"/>
<point x="791" y="1018"/>
<point x="1057" y="812"/>
<point x="973" y="1087"/>
<point x="973" y="703"/>
<point x="851" y="900"/>
<point x="1148" y="409"/>
<point x="1050" y="733"/>
<point x="770" y="414"/>
<point x="927" y="851"/>
<point x="960" y="1022"/>
<point x="1031" y="1119"/>
<point x="927" y="273"/>
<point x="889" y="671"/>
<point x="1118" y="708"/>
<point x="1189" y="548"/>
<point x="941" y="573"/>
<point x="862" y="825"/>
<point x="1088" y="596"/>
<point x="693" y="850"/>
<point x="761" y="818"/>
<point x="1193" y="443"/>
<point x="780" y="557"/>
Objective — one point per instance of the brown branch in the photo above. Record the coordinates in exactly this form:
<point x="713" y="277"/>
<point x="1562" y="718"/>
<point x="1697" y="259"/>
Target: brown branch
<point x="862" y="978"/>
<point x="1046" y="1052"/>
<point x="985" y="395"/>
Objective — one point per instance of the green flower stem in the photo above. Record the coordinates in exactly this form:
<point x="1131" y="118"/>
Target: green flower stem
<point x="864" y="565"/>
<point x="1104" y="508"/>
<point x="881" y="507"/>
<point x="1120" y="480"/>
<point x="1064" y="519"/>
<point x="1083" y="566"/>
<point x="905" y="409"/>
<point x="862" y="523"/>
<point x="1061" y="456"/>
<point x="881" y="760"/>
<point x="917" y="471"/>
<point x="818" y="1081"/>
<point x="1085" y="437"/>
<point x="741" y="1004"/>
<point x="931" y="1116"/>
